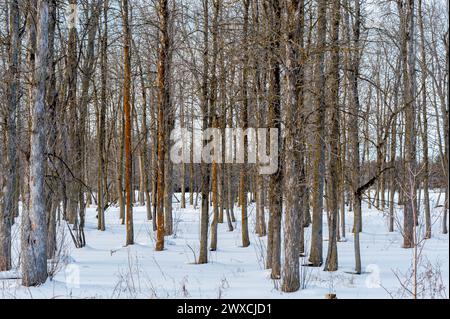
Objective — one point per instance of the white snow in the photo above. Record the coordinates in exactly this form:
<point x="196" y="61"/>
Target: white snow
<point x="107" y="269"/>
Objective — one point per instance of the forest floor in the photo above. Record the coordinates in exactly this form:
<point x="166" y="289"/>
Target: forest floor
<point x="107" y="269"/>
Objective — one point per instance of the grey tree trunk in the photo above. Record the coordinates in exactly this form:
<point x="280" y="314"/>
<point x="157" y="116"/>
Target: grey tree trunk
<point x="273" y="259"/>
<point x="127" y="128"/>
<point x="424" y="122"/>
<point x="406" y="13"/>
<point x="163" y="104"/>
<point x="244" y="124"/>
<point x="215" y="123"/>
<point x="318" y="152"/>
<point x="72" y="117"/>
<point x="205" y="170"/>
<point x="7" y="210"/>
<point x="354" y="135"/>
<point x="101" y="125"/>
<point x="34" y="228"/>
<point x="294" y="162"/>
<point x="331" y="263"/>
<point x="52" y="195"/>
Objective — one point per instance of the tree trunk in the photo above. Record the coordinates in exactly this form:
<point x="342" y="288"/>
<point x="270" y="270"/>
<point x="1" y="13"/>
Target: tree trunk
<point x="34" y="228"/>
<point x="127" y="128"/>
<point x="72" y="78"/>
<point x="331" y="263"/>
<point x="318" y="152"/>
<point x="354" y="135"/>
<point x="215" y="124"/>
<point x="244" y="124"/>
<point x="426" y="168"/>
<point x="204" y="215"/>
<point x="163" y="104"/>
<point x="273" y="259"/>
<point x="294" y="163"/>
<point x="52" y="195"/>
<point x="7" y="210"/>
<point x="406" y="13"/>
<point x="101" y="125"/>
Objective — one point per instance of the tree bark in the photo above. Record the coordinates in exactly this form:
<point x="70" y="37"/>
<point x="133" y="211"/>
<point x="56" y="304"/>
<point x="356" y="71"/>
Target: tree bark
<point x="205" y="174"/>
<point x="34" y="228"/>
<point x="318" y="152"/>
<point x="273" y="259"/>
<point x="163" y="104"/>
<point x="7" y="210"/>
<point x="101" y="125"/>
<point x="244" y="125"/>
<point x="127" y="127"/>
<point x="331" y="263"/>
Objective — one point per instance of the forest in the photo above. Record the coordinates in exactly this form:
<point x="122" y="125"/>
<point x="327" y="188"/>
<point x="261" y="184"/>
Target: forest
<point x="224" y="148"/>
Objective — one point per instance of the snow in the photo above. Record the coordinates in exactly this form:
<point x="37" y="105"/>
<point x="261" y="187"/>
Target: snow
<point x="107" y="269"/>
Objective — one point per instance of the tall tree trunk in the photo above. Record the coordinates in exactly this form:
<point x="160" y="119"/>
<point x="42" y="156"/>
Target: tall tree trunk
<point x="102" y="116"/>
<point x="127" y="128"/>
<point x="406" y="13"/>
<point x="7" y="210"/>
<point x="163" y="104"/>
<point x="293" y="162"/>
<point x="244" y="124"/>
<point x="273" y="259"/>
<point x="206" y="113"/>
<point x="318" y="152"/>
<point x="72" y="79"/>
<point x="354" y="135"/>
<point x="259" y="89"/>
<point x="426" y="168"/>
<point x="212" y="103"/>
<point x="331" y="263"/>
<point x="52" y="195"/>
<point x="34" y="228"/>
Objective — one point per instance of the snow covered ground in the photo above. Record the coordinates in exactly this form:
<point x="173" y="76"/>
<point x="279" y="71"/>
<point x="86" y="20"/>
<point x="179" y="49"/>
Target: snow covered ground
<point x="107" y="269"/>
